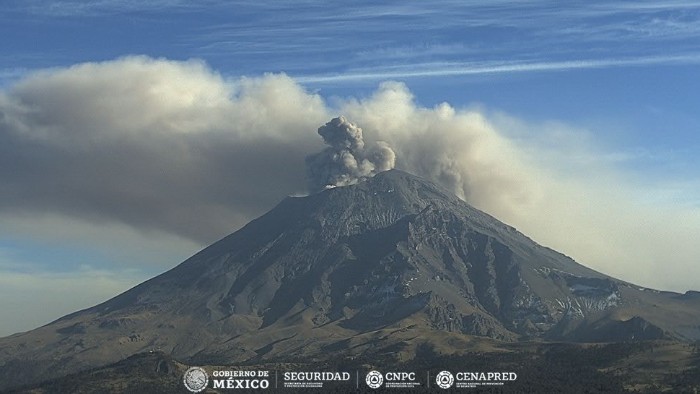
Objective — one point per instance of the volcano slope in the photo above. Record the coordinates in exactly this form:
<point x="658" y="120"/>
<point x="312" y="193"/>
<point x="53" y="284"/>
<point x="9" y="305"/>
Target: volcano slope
<point x="335" y="273"/>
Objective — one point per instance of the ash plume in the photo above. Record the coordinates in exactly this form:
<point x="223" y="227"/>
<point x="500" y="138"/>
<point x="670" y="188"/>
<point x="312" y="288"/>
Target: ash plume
<point x="346" y="160"/>
<point x="110" y="150"/>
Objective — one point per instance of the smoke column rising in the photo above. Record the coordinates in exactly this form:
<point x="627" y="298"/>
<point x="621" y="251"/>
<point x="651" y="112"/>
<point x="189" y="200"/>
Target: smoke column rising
<point x="346" y="161"/>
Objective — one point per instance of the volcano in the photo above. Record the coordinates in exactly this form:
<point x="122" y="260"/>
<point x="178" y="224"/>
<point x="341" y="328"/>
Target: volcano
<point x="394" y="259"/>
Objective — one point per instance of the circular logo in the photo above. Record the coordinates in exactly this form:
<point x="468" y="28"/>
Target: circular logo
<point x="444" y="379"/>
<point x="374" y="379"/>
<point x="195" y="379"/>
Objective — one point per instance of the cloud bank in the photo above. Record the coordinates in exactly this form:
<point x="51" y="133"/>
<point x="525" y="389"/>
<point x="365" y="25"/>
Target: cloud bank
<point x="154" y="144"/>
<point x="175" y="148"/>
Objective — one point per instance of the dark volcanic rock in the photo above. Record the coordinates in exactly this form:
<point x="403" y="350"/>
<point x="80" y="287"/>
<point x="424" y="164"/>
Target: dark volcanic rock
<point x="392" y="252"/>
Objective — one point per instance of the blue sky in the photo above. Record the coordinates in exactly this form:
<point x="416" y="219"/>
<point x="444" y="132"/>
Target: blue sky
<point x="597" y="96"/>
<point x="631" y="62"/>
<point x="637" y="57"/>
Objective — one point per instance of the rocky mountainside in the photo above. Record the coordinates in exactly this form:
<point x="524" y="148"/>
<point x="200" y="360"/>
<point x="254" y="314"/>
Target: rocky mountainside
<point x="342" y="270"/>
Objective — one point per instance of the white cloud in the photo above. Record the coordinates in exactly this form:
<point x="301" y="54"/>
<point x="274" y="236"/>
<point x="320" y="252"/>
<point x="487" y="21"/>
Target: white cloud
<point x="68" y="8"/>
<point x="154" y="144"/>
<point x="551" y="181"/>
<point x="157" y="150"/>
<point x="447" y="69"/>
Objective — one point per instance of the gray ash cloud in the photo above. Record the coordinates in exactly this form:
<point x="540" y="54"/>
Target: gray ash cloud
<point x="347" y="160"/>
